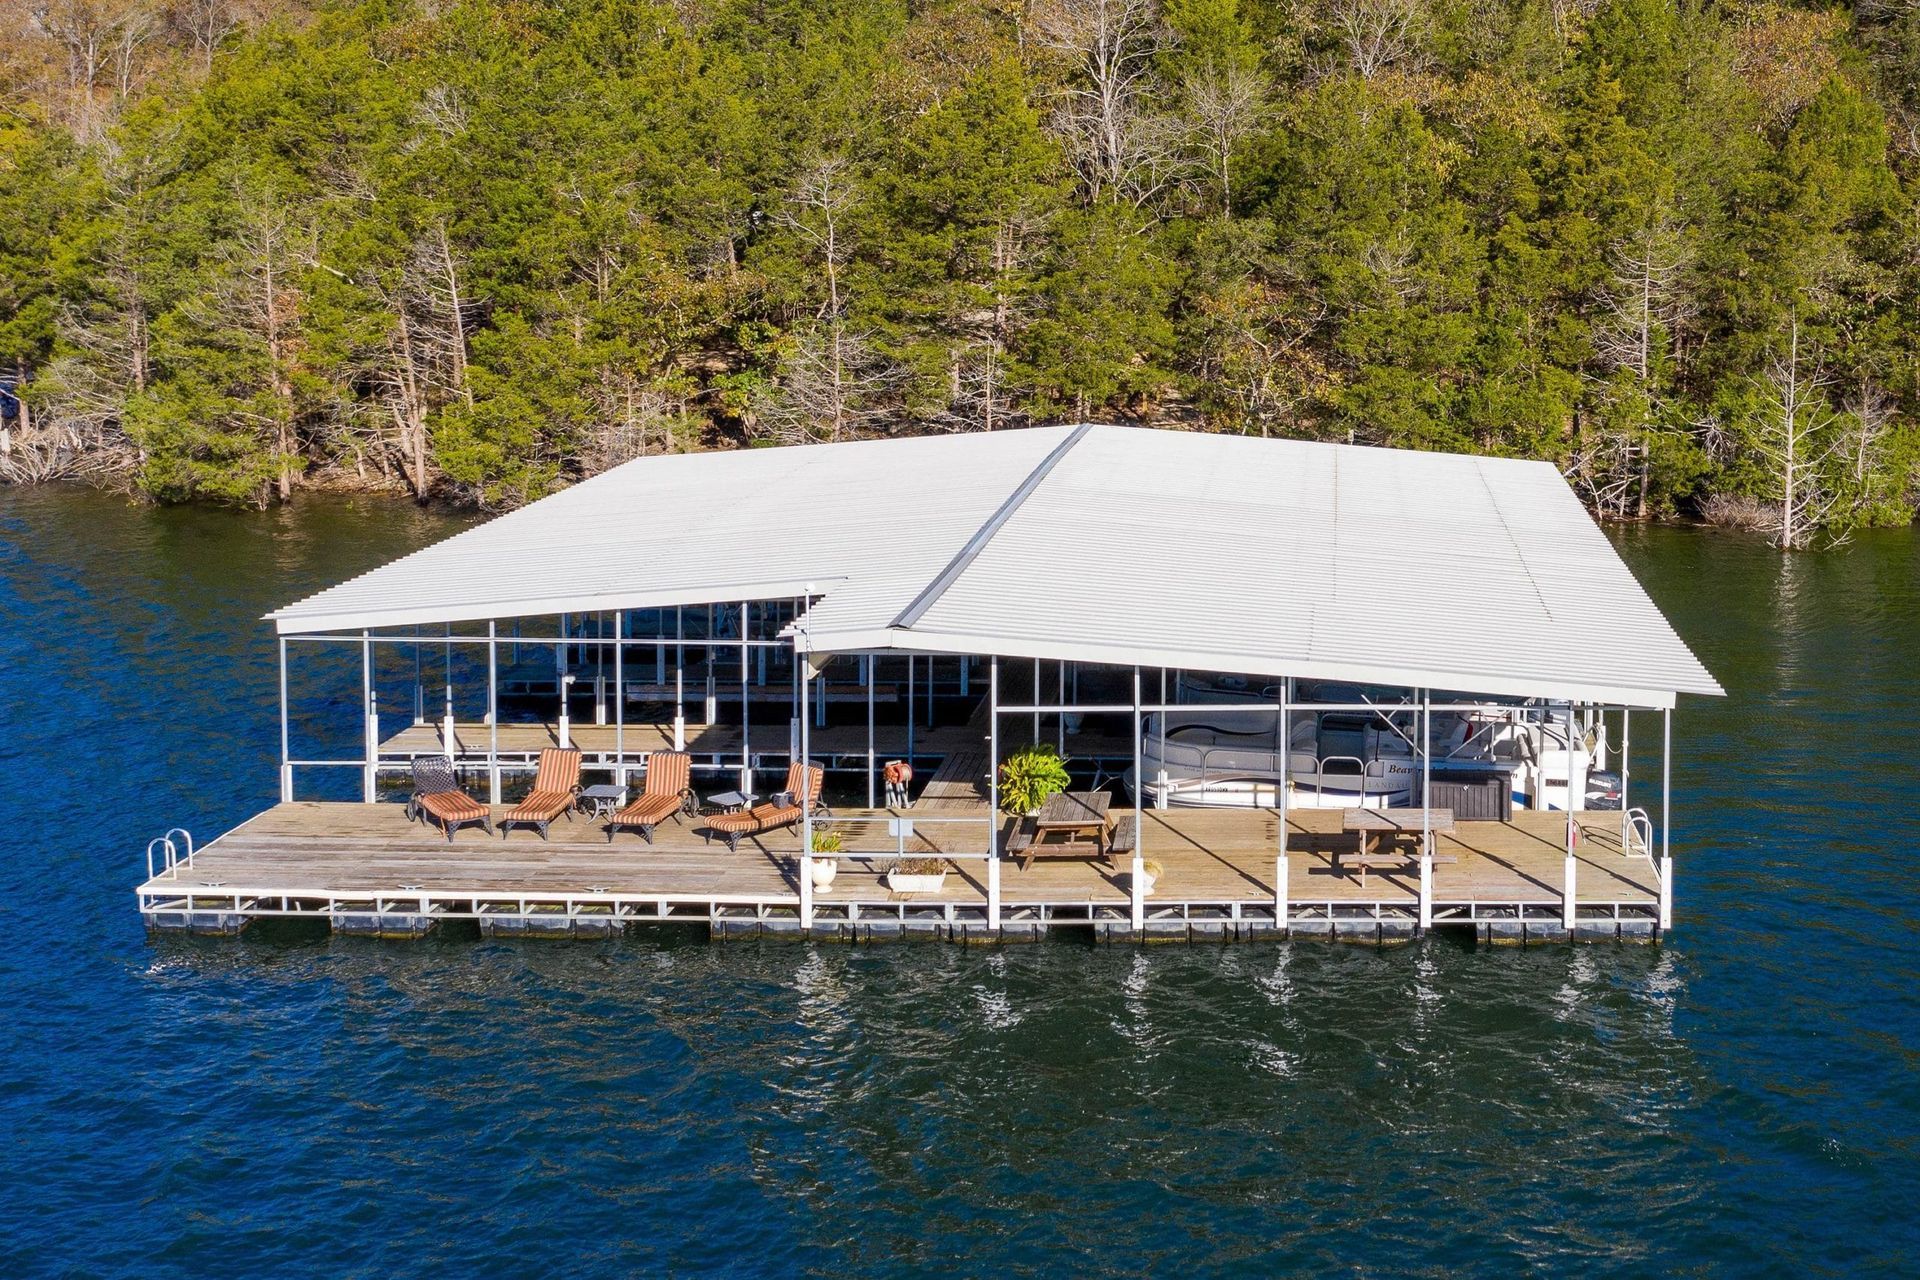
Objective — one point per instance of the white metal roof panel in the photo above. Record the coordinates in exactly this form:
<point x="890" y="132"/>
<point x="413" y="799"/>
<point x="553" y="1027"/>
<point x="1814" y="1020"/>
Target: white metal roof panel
<point x="702" y="527"/>
<point x="1291" y="557"/>
<point x="1109" y="544"/>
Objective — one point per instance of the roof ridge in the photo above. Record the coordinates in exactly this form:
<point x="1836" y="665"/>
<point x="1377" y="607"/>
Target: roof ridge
<point x="1520" y="552"/>
<point x="931" y="593"/>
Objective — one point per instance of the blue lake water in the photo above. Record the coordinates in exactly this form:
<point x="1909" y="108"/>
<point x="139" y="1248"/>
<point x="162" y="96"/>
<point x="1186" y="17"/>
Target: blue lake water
<point x="1742" y="1100"/>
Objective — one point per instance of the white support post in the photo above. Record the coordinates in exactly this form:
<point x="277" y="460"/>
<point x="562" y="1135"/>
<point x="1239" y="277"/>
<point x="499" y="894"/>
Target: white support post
<point x="746" y="704"/>
<point x="1666" y="820"/>
<point x="803" y="670"/>
<point x="993" y="794"/>
<point x="909" y="711"/>
<point x="1036" y="702"/>
<point x="286" y="753"/>
<point x="1426" y="810"/>
<point x="449" y="742"/>
<point x="1626" y="763"/>
<point x="600" y="669"/>
<point x="796" y="707"/>
<point x="370" y="719"/>
<point x="493" y="711"/>
<point x="373" y="744"/>
<point x="1060" y="728"/>
<point x="1280" y="868"/>
<point x="1139" y="869"/>
<point x="866" y="678"/>
<point x="679" y="679"/>
<point x="619" y="698"/>
<point x="419" y="683"/>
<point x="1569" y="897"/>
<point x="1166" y="790"/>
<point x="561" y="680"/>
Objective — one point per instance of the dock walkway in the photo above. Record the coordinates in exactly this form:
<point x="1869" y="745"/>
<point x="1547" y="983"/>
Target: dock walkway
<point x="366" y="868"/>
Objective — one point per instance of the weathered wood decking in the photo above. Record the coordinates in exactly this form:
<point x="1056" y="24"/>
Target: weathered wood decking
<point x="366" y="864"/>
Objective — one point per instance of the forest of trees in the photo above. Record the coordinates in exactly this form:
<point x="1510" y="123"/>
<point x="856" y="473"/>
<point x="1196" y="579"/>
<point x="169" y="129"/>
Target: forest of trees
<point x="475" y="249"/>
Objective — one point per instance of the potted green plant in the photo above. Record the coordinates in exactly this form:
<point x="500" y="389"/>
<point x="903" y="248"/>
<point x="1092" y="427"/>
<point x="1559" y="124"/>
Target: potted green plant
<point x="917" y="875"/>
<point x="1030" y="777"/>
<point x="825" y="868"/>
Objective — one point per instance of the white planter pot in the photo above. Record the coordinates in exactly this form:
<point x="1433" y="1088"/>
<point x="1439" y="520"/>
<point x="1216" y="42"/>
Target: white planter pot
<point x="900" y="882"/>
<point x="824" y="870"/>
<point x="1146" y="883"/>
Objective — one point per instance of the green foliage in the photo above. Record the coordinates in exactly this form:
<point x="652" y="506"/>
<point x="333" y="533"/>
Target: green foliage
<point x="1030" y="777"/>
<point x="480" y="250"/>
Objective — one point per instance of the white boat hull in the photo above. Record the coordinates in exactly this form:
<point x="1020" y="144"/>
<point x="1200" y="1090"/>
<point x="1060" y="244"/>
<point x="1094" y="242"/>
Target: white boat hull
<point x="1201" y="762"/>
<point x="1190" y="793"/>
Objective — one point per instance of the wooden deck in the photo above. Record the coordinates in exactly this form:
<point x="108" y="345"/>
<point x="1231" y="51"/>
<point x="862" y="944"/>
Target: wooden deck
<point x="349" y="862"/>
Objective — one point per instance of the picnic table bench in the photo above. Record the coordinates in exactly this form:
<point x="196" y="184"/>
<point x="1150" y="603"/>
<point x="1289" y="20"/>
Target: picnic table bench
<point x="1374" y="826"/>
<point x="1073" y="824"/>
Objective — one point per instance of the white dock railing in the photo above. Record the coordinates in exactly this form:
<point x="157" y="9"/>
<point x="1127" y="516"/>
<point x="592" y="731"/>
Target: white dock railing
<point x="898" y="827"/>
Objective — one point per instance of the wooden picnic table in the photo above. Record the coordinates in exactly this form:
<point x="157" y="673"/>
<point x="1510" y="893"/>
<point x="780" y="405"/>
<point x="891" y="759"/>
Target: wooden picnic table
<point x="1073" y="824"/>
<point x="1376" y="825"/>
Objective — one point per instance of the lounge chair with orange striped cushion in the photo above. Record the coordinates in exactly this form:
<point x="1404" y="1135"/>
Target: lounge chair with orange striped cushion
<point x="556" y="786"/>
<point x="668" y="794"/>
<point x="437" y="795"/>
<point x="802" y="779"/>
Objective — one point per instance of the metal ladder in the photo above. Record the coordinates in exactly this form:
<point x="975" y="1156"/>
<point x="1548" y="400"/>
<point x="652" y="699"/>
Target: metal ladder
<point x="169" y="851"/>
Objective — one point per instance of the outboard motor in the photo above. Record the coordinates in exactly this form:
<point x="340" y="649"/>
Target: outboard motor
<point x="1603" y="790"/>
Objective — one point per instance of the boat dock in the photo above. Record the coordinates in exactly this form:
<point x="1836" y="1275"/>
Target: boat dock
<point x="367" y="869"/>
<point x="1405" y="702"/>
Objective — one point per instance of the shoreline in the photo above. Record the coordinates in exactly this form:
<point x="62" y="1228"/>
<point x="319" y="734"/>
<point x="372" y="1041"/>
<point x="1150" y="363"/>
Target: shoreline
<point x="334" y="485"/>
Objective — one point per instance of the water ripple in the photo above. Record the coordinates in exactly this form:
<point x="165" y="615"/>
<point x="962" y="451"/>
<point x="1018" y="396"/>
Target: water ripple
<point x="1741" y="1100"/>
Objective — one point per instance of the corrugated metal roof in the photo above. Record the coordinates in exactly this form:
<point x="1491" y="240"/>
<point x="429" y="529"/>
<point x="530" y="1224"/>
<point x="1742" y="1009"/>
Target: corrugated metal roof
<point x="1113" y="544"/>
<point x="1290" y="557"/>
<point x="696" y="528"/>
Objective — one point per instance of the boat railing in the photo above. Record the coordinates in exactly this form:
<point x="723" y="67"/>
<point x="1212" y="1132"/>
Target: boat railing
<point x="1636" y="827"/>
<point x="169" y="851"/>
<point x="1240" y="769"/>
<point x="1320" y="774"/>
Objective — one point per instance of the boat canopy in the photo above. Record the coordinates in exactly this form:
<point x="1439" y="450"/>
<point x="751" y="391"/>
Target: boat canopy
<point x="1088" y="543"/>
